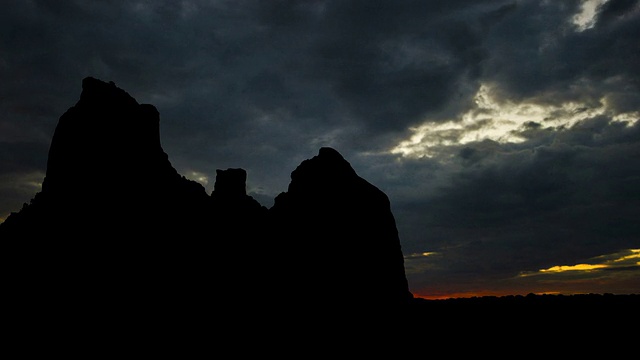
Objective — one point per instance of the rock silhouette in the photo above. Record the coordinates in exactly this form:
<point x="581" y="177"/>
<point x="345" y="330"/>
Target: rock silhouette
<point x="114" y="221"/>
<point x="344" y="227"/>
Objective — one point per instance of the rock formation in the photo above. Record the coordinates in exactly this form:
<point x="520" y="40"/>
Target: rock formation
<point x="114" y="220"/>
<point x="338" y="230"/>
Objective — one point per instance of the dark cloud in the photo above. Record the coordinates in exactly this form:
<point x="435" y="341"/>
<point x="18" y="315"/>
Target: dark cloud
<point x="615" y="10"/>
<point x="545" y="57"/>
<point x="22" y="156"/>
<point x="392" y="66"/>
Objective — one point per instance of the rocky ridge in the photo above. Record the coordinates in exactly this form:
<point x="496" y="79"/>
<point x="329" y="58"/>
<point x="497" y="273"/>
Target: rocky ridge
<point x="101" y="230"/>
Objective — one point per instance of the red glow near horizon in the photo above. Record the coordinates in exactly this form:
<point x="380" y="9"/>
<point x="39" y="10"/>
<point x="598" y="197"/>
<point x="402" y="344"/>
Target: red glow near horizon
<point x="472" y="294"/>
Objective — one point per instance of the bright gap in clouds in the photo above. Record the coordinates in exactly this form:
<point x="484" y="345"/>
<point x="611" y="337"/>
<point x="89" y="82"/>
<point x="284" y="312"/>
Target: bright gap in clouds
<point x="197" y="176"/>
<point x="502" y="122"/>
<point x="586" y="18"/>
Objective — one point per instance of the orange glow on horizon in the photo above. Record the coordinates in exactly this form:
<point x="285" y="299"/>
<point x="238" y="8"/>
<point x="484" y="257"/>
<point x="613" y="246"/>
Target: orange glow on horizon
<point x="457" y="295"/>
<point x="477" y="294"/>
<point x="567" y="280"/>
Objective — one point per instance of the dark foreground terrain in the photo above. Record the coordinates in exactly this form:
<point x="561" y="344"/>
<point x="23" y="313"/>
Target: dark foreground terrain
<point x="530" y="311"/>
<point x="576" y="326"/>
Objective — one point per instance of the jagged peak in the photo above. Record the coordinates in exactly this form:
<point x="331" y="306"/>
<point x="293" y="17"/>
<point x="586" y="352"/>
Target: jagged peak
<point x="330" y="153"/>
<point x="230" y="182"/>
<point x="106" y="132"/>
<point x="330" y="158"/>
<point x="98" y="91"/>
<point x="328" y="164"/>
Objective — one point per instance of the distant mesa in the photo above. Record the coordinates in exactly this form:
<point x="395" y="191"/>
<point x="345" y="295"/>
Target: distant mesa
<point x="114" y="217"/>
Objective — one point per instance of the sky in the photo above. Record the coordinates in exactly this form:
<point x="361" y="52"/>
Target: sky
<point x="505" y="133"/>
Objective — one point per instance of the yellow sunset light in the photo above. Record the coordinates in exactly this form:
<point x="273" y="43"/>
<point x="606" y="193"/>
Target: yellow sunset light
<point x="579" y="267"/>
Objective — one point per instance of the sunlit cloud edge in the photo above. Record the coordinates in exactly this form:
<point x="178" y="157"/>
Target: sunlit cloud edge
<point x="622" y="260"/>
